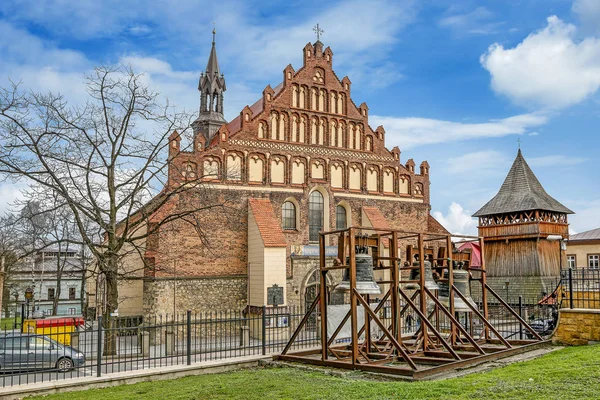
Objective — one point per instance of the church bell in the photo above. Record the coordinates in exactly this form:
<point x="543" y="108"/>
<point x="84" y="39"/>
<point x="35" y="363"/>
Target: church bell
<point x="430" y="283"/>
<point x="461" y="282"/>
<point x="365" y="281"/>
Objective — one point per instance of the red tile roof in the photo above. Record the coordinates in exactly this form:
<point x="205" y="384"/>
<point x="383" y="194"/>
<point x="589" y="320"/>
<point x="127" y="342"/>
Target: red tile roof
<point x="376" y="217"/>
<point x="377" y="221"/>
<point x="434" y="226"/>
<point x="267" y="222"/>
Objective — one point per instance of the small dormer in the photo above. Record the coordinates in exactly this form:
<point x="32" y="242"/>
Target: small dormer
<point x="380" y="132"/>
<point x="268" y="94"/>
<point x="396" y="153"/>
<point x="410" y="166"/>
<point x="424" y="167"/>
<point x="308" y="52"/>
<point x="199" y="143"/>
<point x="347" y="84"/>
<point x="364" y="110"/>
<point x="288" y="74"/>
<point x="328" y="55"/>
<point x="174" y="144"/>
<point x="246" y="114"/>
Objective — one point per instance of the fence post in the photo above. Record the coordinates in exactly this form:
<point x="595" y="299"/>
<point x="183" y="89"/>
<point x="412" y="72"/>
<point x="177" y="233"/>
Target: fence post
<point x="570" y="288"/>
<point x="99" y="349"/>
<point x="520" y="315"/>
<point x="189" y="337"/>
<point x="264" y="330"/>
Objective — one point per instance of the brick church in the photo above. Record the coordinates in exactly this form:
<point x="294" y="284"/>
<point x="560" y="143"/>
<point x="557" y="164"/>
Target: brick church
<point x="300" y="160"/>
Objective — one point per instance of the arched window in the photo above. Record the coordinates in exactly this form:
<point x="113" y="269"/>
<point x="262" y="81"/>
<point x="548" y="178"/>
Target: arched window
<point x="340" y="217"/>
<point x="288" y="217"/>
<point x="315" y="215"/>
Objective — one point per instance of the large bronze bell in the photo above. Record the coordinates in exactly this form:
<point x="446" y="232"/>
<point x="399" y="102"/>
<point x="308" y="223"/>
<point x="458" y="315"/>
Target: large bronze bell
<point x="430" y="283"/>
<point x="365" y="281"/>
<point x="461" y="283"/>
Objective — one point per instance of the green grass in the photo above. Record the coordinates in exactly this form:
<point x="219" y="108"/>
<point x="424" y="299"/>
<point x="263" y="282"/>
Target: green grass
<point x="8" y="323"/>
<point x="570" y="373"/>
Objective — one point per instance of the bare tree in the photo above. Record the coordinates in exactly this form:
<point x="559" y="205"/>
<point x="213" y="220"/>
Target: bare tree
<point x="104" y="161"/>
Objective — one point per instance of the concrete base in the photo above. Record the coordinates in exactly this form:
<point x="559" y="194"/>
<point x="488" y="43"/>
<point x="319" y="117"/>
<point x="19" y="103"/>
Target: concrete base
<point x="129" y="377"/>
<point x="577" y="326"/>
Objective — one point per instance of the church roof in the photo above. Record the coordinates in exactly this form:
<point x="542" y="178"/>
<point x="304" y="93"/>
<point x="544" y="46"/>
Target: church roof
<point x="521" y="191"/>
<point x="267" y="222"/>
<point x="593" y="234"/>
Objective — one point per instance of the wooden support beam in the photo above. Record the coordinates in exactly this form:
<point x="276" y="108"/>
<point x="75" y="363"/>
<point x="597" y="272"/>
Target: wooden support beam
<point x="301" y="325"/>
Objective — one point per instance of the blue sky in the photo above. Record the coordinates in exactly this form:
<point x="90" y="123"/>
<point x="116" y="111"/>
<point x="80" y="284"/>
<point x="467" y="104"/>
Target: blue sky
<point x="453" y="82"/>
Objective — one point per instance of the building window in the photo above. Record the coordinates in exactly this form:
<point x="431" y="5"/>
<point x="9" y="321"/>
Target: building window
<point x="571" y="261"/>
<point x="340" y="217"/>
<point x="51" y="293"/>
<point x="72" y="311"/>
<point x="594" y="260"/>
<point x="315" y="215"/>
<point x="288" y="217"/>
<point x="72" y="292"/>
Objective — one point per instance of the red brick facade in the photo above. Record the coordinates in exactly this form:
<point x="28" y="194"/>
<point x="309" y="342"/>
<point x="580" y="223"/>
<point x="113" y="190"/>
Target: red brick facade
<point x="306" y="134"/>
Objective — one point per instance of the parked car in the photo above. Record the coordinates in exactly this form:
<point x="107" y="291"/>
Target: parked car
<point x="22" y="351"/>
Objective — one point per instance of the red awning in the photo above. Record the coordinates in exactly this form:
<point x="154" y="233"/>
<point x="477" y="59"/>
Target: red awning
<point x="50" y="322"/>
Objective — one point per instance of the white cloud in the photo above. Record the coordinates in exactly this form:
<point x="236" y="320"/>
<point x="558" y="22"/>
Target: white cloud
<point x="587" y="214"/>
<point x="477" y="21"/>
<point x="534" y="133"/>
<point x="458" y="220"/>
<point x="483" y="162"/>
<point x="549" y="68"/>
<point x="557" y="160"/>
<point x="413" y="131"/>
<point x="588" y="12"/>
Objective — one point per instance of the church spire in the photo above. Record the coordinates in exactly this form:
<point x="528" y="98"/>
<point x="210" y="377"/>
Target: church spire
<point x="211" y="87"/>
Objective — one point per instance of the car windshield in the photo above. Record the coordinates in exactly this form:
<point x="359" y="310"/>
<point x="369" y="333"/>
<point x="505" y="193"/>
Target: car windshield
<point x="39" y="343"/>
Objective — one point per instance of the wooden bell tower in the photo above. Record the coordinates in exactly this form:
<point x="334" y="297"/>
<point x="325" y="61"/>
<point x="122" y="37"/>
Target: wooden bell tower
<point x="523" y="227"/>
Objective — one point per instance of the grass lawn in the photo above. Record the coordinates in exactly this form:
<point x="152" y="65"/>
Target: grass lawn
<point x="570" y="373"/>
<point x="8" y="323"/>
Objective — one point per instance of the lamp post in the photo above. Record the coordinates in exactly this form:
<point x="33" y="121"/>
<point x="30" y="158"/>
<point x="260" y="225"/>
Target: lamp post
<point x="16" y="308"/>
<point x="28" y="298"/>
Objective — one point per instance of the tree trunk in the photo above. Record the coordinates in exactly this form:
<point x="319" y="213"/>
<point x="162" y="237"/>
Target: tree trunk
<point x="112" y="304"/>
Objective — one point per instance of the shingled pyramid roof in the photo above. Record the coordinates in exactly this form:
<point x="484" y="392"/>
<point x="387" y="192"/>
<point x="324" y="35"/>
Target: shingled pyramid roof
<point x="521" y="191"/>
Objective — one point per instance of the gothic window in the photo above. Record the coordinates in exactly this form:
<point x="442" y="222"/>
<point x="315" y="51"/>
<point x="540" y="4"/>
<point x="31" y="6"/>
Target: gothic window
<point x="369" y="143"/>
<point x="298" y="172"/>
<point x="337" y="175"/>
<point x="322" y="95"/>
<point x="313" y="131"/>
<point x="294" y="128"/>
<point x="256" y="168"/>
<point x="372" y="179"/>
<point x="234" y="167"/>
<point x="316" y="212"/>
<point x="277" y="170"/>
<point x="319" y="76"/>
<point x="357" y="138"/>
<point x="317" y="170"/>
<point x="322" y="132"/>
<point x="302" y="129"/>
<point x="355" y="178"/>
<point x="340" y="105"/>
<point x="351" y="141"/>
<point x="211" y="169"/>
<point x="388" y="181"/>
<point x="332" y="133"/>
<point x="313" y="99"/>
<point x="294" y="95"/>
<point x="288" y="217"/>
<point x="261" y="130"/>
<point x="340" y="135"/>
<point x="274" y="125"/>
<point x="189" y="171"/>
<point x="281" y="127"/>
<point x="302" y="99"/>
<point x="340" y="217"/>
<point x="418" y="189"/>
<point x="332" y="102"/>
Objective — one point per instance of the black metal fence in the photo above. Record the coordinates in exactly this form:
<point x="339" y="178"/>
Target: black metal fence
<point x="580" y="288"/>
<point x="46" y="353"/>
<point x="62" y="351"/>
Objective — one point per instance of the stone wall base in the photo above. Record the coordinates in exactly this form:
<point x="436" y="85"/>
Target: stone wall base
<point x="577" y="326"/>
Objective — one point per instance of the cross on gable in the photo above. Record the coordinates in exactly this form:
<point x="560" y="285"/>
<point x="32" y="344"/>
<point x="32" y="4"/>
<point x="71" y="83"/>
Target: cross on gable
<point x="317" y="29"/>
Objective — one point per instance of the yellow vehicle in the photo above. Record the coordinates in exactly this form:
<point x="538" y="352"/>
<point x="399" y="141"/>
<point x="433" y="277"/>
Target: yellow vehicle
<point x="59" y="329"/>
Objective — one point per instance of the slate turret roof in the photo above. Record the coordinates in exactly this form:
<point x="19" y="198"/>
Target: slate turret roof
<point x="521" y="191"/>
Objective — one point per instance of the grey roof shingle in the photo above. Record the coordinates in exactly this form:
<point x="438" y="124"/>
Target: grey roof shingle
<point x="593" y="234"/>
<point x="521" y="191"/>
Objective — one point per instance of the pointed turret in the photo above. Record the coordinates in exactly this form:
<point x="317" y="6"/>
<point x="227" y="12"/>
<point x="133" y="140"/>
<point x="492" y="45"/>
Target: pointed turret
<point x="211" y="87"/>
<point x="521" y="191"/>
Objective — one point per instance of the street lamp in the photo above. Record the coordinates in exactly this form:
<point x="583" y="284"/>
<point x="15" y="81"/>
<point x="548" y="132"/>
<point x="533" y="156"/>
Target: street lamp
<point x="28" y="297"/>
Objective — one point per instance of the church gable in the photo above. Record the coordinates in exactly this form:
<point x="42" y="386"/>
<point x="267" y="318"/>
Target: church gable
<point x="312" y="106"/>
